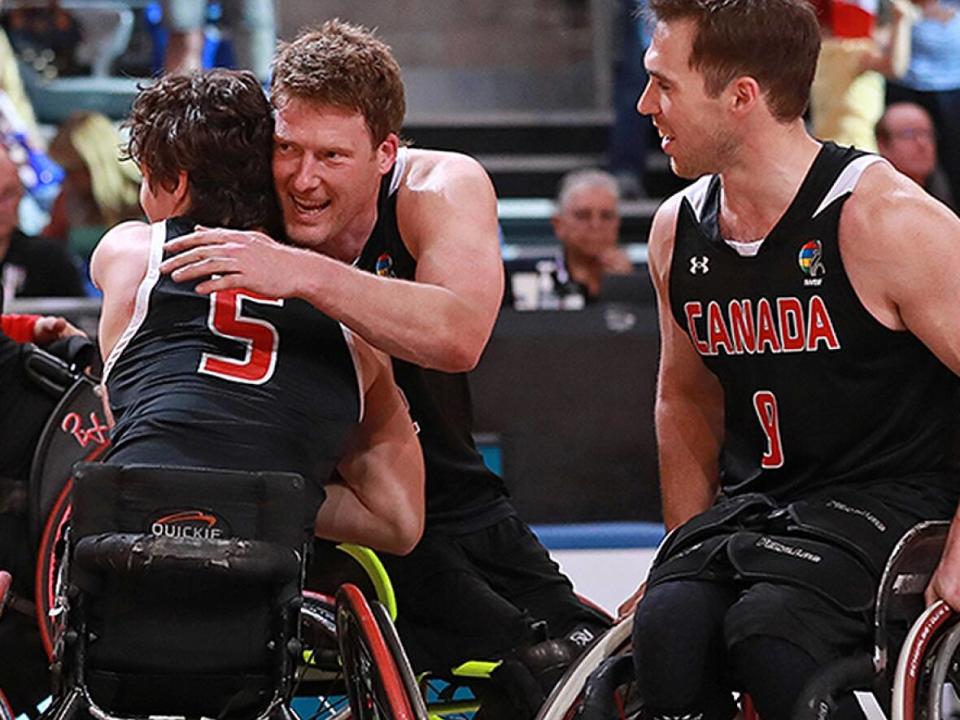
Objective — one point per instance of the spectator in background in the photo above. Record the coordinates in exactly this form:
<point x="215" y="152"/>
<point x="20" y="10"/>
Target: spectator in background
<point x="906" y="137"/>
<point x="252" y="28"/>
<point x="933" y="78"/>
<point x="12" y="84"/>
<point x="99" y="191"/>
<point x="847" y="96"/>
<point x="587" y="224"/>
<point x="30" y="266"/>
<point x="631" y="132"/>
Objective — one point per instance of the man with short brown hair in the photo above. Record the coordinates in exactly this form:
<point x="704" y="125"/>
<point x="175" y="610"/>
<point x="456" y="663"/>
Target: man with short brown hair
<point x="421" y="226"/>
<point x="809" y="345"/>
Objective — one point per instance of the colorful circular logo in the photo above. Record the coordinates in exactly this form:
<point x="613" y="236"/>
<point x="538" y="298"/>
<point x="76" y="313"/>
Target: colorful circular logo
<point x="810" y="258"/>
<point x="384" y="265"/>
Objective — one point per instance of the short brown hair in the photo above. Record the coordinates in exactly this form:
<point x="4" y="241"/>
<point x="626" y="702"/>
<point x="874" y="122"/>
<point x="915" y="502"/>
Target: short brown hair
<point x="218" y="127"/>
<point x="345" y="66"/>
<point x="776" y="42"/>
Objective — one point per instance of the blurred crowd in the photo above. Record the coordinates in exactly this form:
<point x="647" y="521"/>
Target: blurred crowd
<point x="888" y="81"/>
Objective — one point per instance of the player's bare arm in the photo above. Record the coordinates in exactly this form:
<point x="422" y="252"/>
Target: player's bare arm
<point x="689" y="401"/>
<point x="890" y="217"/>
<point x="447" y="213"/>
<point x="378" y="496"/>
<point x="117" y="267"/>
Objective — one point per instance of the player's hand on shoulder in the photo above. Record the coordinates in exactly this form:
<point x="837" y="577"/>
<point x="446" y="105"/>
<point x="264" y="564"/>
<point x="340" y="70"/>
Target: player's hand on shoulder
<point x="224" y="259"/>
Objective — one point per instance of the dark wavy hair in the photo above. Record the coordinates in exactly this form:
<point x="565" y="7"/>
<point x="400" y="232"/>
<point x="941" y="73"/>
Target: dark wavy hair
<point x="345" y="66"/>
<point x="218" y="127"/>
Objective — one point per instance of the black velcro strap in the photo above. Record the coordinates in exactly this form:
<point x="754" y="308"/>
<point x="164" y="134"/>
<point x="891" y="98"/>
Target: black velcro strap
<point x="825" y="569"/>
<point x="726" y="515"/>
<point x="692" y="561"/>
<point x="860" y="524"/>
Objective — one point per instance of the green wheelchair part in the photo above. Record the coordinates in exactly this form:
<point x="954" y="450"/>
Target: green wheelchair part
<point x="376" y="572"/>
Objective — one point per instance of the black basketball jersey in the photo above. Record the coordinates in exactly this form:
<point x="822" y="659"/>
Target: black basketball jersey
<point x="229" y="380"/>
<point x="817" y="392"/>
<point x="459" y="487"/>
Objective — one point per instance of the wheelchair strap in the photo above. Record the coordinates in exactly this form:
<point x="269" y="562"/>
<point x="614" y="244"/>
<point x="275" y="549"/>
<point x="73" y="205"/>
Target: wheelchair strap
<point x="825" y="569"/>
<point x="725" y="516"/>
<point x="854" y="521"/>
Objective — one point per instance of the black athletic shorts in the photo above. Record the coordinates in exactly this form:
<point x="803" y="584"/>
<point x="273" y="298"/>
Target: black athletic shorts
<point x="477" y="595"/>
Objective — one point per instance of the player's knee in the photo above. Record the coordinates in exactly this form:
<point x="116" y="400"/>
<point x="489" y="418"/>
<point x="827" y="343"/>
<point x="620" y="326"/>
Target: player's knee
<point x="773" y="671"/>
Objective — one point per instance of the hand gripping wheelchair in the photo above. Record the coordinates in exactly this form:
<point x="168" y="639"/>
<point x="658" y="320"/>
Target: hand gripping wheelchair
<point x="913" y="669"/>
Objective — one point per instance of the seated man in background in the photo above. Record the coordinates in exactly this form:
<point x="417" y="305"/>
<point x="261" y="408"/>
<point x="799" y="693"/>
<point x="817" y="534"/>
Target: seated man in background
<point x="587" y="223"/>
<point x="30" y="266"/>
<point x="24" y="410"/>
<point x="906" y="137"/>
<point x="237" y="380"/>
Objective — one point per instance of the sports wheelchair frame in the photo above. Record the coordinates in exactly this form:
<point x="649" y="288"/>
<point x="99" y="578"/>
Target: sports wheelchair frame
<point x="76" y="431"/>
<point x="913" y="666"/>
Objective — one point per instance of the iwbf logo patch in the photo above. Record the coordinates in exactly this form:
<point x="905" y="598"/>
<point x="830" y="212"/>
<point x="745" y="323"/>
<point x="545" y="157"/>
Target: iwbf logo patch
<point x="810" y="259"/>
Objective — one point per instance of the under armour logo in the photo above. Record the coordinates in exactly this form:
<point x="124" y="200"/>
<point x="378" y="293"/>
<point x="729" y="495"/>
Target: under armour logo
<point x="699" y="264"/>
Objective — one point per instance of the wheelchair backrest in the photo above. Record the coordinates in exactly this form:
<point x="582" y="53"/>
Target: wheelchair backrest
<point x="76" y="431"/>
<point x="199" y="503"/>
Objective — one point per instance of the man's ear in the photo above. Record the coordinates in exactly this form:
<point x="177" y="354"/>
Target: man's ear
<point x="745" y="93"/>
<point x="387" y="153"/>
<point x="181" y="192"/>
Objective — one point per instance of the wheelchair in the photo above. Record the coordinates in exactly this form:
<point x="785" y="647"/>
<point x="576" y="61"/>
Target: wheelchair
<point x="913" y="670"/>
<point x="76" y="432"/>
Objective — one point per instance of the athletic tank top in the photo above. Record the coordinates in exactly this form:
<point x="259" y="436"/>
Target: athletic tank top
<point x="460" y="490"/>
<point x="229" y="380"/>
<point x="817" y="393"/>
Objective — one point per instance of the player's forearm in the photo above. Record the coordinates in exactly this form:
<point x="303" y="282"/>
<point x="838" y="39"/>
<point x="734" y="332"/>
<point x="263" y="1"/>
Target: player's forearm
<point x="346" y="517"/>
<point x="418" y="322"/>
<point x="688" y="453"/>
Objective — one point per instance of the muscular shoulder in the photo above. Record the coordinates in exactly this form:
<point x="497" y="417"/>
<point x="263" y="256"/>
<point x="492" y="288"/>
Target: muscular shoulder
<point x="662" y="236"/>
<point x="885" y="204"/>
<point x="438" y="171"/>
<point x="121" y="253"/>
<point x="445" y="194"/>
<point x="894" y="238"/>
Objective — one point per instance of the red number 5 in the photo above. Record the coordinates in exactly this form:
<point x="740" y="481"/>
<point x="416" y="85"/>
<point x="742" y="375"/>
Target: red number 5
<point x="259" y="337"/>
<point x="765" y="403"/>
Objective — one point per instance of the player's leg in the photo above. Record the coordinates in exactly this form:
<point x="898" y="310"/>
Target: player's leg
<point x="679" y="650"/>
<point x="781" y="635"/>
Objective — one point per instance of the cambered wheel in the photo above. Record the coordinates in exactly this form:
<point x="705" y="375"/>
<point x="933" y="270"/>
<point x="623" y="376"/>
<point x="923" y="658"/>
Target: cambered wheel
<point x="390" y="636"/>
<point x="375" y="685"/>
<point x="567" y="696"/>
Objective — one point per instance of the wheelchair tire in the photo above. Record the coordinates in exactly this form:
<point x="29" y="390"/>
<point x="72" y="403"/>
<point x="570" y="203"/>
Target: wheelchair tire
<point x="47" y="579"/>
<point x="567" y="694"/>
<point x="375" y="686"/>
<point x="911" y="667"/>
<point x="389" y="631"/>
<point x="943" y="674"/>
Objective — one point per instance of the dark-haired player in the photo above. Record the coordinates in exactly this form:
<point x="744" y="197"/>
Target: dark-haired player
<point x="236" y="379"/>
